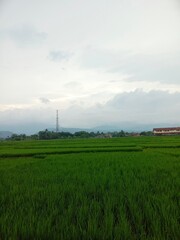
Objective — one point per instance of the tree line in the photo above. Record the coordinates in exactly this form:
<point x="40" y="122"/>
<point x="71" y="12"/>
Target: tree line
<point x="47" y="135"/>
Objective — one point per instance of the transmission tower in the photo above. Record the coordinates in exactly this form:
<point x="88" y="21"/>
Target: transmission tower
<point x="57" y="121"/>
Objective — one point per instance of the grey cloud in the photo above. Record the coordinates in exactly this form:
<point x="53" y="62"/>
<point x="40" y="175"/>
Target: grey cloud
<point x="158" y="108"/>
<point x="155" y="106"/>
<point x="139" y="99"/>
<point x="58" y="56"/>
<point x="177" y="2"/>
<point x="24" y="36"/>
<point x="164" y="68"/>
<point x="44" y="100"/>
<point x="161" y="68"/>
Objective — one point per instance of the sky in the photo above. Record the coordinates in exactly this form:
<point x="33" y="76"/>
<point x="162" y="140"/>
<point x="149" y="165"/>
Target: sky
<point x="99" y="62"/>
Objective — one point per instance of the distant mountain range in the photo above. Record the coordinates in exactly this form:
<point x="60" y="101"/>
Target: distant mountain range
<point x="32" y="128"/>
<point x="125" y="126"/>
<point x="5" y="134"/>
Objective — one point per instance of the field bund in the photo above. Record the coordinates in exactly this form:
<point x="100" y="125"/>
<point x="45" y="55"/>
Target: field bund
<point x="119" y="188"/>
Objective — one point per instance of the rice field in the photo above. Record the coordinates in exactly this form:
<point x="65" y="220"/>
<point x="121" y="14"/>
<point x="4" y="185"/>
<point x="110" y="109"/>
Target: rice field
<point x="120" y="188"/>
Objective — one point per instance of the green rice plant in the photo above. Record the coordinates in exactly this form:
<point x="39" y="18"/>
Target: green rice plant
<point x="86" y="190"/>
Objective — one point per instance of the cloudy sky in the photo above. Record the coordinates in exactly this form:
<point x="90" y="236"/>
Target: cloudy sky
<point x="99" y="62"/>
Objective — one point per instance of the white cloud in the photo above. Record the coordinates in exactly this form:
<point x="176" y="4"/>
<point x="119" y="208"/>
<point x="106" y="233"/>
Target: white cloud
<point x="23" y="36"/>
<point x="154" y="107"/>
<point x="118" y="46"/>
<point x="58" y="56"/>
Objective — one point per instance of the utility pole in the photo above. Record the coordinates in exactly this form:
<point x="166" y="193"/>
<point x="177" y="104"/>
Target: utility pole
<point x="57" y="121"/>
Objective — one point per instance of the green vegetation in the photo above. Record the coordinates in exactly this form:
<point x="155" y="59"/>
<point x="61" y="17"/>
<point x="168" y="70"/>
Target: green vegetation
<point x="118" y="188"/>
<point x="48" y="135"/>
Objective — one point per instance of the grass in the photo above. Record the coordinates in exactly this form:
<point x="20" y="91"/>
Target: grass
<point x="124" y="188"/>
